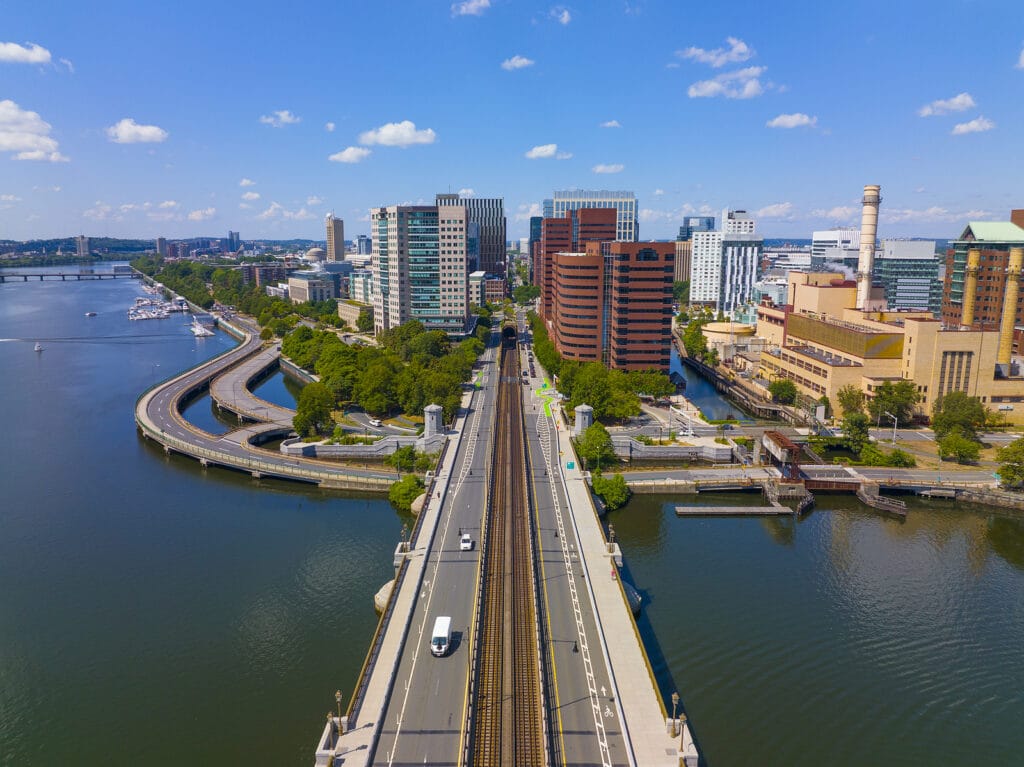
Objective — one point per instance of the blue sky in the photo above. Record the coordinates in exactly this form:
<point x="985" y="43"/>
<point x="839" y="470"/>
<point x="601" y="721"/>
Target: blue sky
<point x="193" y="118"/>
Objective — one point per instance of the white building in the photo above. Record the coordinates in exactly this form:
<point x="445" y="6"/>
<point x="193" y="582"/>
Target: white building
<point x="419" y="266"/>
<point x="360" y="286"/>
<point x="844" y="239"/>
<point x="723" y="264"/>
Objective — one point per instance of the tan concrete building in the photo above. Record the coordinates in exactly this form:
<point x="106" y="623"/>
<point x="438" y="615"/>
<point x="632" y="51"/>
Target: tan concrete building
<point x="822" y="344"/>
<point x="684" y="252"/>
<point x="310" y="286"/>
<point x="335" y="238"/>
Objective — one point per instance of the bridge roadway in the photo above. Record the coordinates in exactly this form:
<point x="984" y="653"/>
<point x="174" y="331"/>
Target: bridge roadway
<point x="606" y="707"/>
<point x="158" y="416"/>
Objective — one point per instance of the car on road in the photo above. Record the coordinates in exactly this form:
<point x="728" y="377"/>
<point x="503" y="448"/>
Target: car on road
<point x="466" y="542"/>
<point x="376" y="422"/>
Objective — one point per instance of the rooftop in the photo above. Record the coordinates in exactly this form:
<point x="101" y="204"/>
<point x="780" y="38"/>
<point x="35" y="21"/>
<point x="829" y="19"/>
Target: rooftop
<point x="992" y="231"/>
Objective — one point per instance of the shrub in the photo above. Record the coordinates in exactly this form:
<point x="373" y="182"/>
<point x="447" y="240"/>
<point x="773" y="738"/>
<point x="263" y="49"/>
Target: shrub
<point x="405" y="491"/>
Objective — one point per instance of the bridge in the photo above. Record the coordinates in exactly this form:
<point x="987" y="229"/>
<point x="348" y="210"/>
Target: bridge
<point x="69" y="276"/>
<point x="546" y="666"/>
<point x="158" y="418"/>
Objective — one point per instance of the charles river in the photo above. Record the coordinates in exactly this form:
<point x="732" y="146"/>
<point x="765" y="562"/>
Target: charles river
<point x="152" y="612"/>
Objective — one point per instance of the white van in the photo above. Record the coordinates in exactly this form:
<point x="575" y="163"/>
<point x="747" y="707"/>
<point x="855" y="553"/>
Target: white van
<point x="441" y="636"/>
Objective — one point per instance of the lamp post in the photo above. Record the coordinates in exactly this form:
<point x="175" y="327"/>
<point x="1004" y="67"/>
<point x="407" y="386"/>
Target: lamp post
<point x="675" y="702"/>
<point x="682" y="730"/>
<point x="895" y="421"/>
<point x="337" y="697"/>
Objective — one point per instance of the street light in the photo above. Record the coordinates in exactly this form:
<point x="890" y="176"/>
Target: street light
<point x="895" y="421"/>
<point x="675" y="702"/>
<point x="337" y="697"/>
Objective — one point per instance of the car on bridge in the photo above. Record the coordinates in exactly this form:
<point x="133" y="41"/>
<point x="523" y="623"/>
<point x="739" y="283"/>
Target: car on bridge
<point x="466" y="542"/>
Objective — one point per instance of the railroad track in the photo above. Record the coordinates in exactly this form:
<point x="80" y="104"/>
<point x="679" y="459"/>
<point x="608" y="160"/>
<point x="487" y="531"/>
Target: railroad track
<point x="508" y="724"/>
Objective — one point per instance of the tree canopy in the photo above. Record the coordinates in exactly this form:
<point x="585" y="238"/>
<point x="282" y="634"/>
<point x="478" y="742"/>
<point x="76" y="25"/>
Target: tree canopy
<point x="1011" y="464"/>
<point x="595" y="447"/>
<point x="313" y="410"/>
<point x="958" y="412"/>
<point x="851" y="399"/>
<point x="783" y="391"/>
<point x="613" y="490"/>
<point x="897" y="398"/>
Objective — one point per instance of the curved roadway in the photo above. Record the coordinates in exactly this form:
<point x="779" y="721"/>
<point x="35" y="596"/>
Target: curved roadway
<point x="158" y="416"/>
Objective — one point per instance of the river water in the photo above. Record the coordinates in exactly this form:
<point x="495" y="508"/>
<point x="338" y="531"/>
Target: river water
<point x="153" y="612"/>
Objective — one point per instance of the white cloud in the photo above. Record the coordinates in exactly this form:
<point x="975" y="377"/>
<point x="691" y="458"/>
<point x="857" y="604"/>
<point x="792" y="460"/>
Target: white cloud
<point x="561" y="15"/>
<point x="546" y="152"/>
<point x="329" y="127"/>
<point x="795" y="120"/>
<point x="527" y="211"/>
<point x="977" y="125"/>
<point x="659" y="192"/>
<point x="251" y="196"/>
<point x="608" y="168"/>
<point x="26" y="134"/>
<point x="100" y="211"/>
<point x="13" y="53"/>
<point x="314" y="200"/>
<point x="169" y="204"/>
<point x="838" y="213"/>
<point x="742" y="84"/>
<point x="280" y="118"/>
<point x="516" y="62"/>
<point x="932" y="214"/>
<point x="778" y="210"/>
<point x="244" y="205"/>
<point x="467" y="192"/>
<point x="9" y="198"/>
<point x="247" y="182"/>
<point x="1020" y="61"/>
<point x="611" y="124"/>
<point x="401" y="134"/>
<point x="959" y="103"/>
<point x="127" y="131"/>
<point x="276" y="210"/>
<point x="204" y="214"/>
<point x="68" y="64"/>
<point x="470" y="7"/>
<point x="718" y="57"/>
<point x="350" y="154"/>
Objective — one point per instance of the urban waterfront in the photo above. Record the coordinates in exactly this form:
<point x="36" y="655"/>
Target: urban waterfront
<point x="153" y="610"/>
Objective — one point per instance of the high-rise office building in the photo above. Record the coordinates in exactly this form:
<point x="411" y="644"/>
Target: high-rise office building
<point x="233" y="242"/>
<point x="613" y="304"/>
<point x="83" y="248"/>
<point x="909" y="272"/>
<point x="364" y="245"/>
<point x="723" y="264"/>
<point x="626" y="227"/>
<point x="161" y="246"/>
<point x="335" y="238"/>
<point x="569" y="233"/>
<point x="419" y="266"/>
<point x="488" y="216"/>
<point x="693" y="224"/>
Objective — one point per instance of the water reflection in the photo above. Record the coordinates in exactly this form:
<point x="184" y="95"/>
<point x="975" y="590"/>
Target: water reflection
<point x="1006" y="537"/>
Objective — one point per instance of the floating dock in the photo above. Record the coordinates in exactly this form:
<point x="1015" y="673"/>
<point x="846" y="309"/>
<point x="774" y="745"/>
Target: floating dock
<point x="733" y="511"/>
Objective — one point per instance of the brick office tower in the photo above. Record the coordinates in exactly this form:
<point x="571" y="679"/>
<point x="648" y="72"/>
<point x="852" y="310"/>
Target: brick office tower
<point x="977" y="274"/>
<point x="612" y="304"/>
<point x="567" y="235"/>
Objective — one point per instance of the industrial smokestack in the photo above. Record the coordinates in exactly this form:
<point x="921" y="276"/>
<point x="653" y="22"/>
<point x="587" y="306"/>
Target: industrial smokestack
<point x="868" y="232"/>
<point x="1009" y="317"/>
<point x="970" y="286"/>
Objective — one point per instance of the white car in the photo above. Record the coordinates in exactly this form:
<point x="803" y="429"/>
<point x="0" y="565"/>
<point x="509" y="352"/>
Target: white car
<point x="376" y="422"/>
<point x="465" y="542"/>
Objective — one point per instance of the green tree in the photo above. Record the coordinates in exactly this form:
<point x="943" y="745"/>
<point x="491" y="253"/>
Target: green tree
<point x="681" y="291"/>
<point x="958" y="447"/>
<point x="902" y="459"/>
<point x="897" y="398"/>
<point x="855" y="431"/>
<point x="266" y="334"/>
<point x="364" y="322"/>
<point x="524" y="294"/>
<point x="851" y="399"/>
<point x="595" y="446"/>
<point x="613" y="490"/>
<point x="1011" y="464"/>
<point x="313" y="410"/>
<point x="406" y="490"/>
<point x="958" y="412"/>
<point x="404" y="458"/>
<point x="783" y="391"/>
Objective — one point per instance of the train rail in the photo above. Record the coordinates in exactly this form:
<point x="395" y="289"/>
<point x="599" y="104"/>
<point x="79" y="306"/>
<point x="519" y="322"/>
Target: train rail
<point x="508" y="714"/>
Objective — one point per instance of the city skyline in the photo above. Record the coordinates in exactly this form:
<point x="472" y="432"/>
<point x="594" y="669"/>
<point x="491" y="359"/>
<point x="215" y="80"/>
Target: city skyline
<point x="201" y="120"/>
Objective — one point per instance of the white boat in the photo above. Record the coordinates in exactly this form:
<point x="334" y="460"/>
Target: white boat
<point x="90" y="314"/>
<point x="199" y="331"/>
<point x="39" y="346"/>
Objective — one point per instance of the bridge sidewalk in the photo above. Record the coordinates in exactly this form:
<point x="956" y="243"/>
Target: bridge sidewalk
<point x="644" y="716"/>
